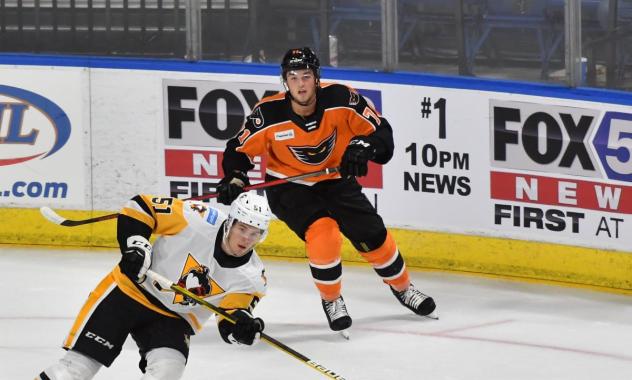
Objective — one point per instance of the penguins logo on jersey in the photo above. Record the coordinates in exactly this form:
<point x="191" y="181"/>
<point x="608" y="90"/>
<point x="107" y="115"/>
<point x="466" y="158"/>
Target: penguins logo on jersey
<point x="197" y="281"/>
<point x="315" y="155"/>
<point x="257" y="118"/>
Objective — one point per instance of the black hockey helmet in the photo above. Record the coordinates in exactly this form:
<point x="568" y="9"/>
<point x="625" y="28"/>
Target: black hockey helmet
<point x="300" y="59"/>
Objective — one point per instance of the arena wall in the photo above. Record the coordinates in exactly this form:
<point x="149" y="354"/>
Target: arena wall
<point x="493" y="177"/>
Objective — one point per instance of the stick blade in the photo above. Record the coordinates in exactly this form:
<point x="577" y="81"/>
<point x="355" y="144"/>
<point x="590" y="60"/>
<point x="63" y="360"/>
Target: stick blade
<point x="51" y="215"/>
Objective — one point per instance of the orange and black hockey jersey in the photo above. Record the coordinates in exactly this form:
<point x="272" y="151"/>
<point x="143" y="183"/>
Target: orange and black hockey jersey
<point x="294" y="145"/>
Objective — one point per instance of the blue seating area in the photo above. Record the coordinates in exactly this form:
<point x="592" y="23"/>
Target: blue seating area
<point x="502" y="34"/>
<point x="496" y="31"/>
<point x="508" y="26"/>
<point x="621" y="38"/>
<point x="369" y="10"/>
<point x="482" y="20"/>
<point x="357" y="24"/>
<point x="349" y="11"/>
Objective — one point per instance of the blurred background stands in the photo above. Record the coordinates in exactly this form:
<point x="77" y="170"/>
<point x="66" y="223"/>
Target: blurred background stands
<point x="502" y="39"/>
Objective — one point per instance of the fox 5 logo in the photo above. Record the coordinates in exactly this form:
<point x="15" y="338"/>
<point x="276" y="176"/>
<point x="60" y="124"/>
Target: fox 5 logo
<point x="613" y="144"/>
<point x="561" y="140"/>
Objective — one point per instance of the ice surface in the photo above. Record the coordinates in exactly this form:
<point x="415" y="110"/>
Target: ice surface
<point x="488" y="328"/>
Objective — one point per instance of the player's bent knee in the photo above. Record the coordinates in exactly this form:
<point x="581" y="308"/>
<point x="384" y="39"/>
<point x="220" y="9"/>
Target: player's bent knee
<point x="73" y="366"/>
<point x="370" y="241"/>
<point x="323" y="241"/>
<point x="164" y="364"/>
<point x="324" y="228"/>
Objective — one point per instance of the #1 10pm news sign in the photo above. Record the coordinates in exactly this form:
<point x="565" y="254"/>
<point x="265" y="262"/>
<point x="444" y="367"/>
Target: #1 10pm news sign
<point x="510" y="165"/>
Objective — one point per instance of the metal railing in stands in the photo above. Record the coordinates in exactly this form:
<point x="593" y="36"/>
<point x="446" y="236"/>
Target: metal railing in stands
<point x="232" y="29"/>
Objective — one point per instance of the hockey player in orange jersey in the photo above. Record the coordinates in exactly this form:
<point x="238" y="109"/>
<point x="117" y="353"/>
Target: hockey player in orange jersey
<point x="313" y="126"/>
<point x="201" y="249"/>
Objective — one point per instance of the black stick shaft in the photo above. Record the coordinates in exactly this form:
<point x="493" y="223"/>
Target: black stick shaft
<point x="164" y="282"/>
<point x="73" y="223"/>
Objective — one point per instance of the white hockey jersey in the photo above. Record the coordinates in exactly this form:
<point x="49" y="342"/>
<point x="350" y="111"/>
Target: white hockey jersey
<point x="184" y="252"/>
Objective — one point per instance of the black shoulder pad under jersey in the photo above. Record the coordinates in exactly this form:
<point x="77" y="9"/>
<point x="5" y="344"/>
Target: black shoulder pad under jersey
<point x="339" y="95"/>
<point x="267" y="113"/>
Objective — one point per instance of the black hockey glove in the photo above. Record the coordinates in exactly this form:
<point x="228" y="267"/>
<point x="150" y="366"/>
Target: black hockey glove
<point x="247" y="330"/>
<point x="355" y="160"/>
<point x="231" y="186"/>
<point x="136" y="258"/>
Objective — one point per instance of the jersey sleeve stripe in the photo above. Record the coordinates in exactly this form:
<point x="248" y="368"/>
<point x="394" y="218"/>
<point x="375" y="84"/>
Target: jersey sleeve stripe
<point x="371" y="125"/>
<point x="142" y="201"/>
<point x="173" y="222"/>
<point x="236" y="301"/>
<point x="139" y="215"/>
<point x="127" y="287"/>
<point x="193" y="321"/>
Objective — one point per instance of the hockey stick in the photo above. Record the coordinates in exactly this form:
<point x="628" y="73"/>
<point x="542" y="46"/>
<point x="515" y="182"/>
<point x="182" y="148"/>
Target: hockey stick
<point x="168" y="284"/>
<point x="54" y="217"/>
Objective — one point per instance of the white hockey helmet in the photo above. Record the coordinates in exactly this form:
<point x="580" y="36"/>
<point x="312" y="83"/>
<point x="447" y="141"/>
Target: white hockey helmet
<point x="251" y="209"/>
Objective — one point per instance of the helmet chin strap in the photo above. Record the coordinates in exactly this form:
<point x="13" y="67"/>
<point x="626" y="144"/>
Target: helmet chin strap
<point x="227" y="230"/>
<point x="225" y="245"/>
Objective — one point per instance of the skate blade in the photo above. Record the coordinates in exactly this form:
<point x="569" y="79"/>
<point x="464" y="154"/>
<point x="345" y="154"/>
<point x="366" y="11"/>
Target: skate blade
<point x="345" y="334"/>
<point x="432" y="315"/>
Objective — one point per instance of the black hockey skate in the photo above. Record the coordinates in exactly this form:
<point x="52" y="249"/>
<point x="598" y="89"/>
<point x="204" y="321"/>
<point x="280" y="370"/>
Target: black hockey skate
<point x="337" y="315"/>
<point x="416" y="301"/>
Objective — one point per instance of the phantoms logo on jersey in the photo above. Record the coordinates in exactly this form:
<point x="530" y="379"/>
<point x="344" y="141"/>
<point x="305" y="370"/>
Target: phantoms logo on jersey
<point x="315" y="155"/>
<point x="257" y="117"/>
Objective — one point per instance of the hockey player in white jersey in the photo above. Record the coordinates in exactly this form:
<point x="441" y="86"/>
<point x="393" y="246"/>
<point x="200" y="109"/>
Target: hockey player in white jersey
<point x="199" y="248"/>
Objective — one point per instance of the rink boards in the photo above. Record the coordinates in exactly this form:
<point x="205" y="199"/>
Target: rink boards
<point x="606" y="270"/>
<point x="505" y="178"/>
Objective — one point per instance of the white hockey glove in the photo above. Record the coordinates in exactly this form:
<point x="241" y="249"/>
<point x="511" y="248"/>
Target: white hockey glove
<point x="136" y="258"/>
